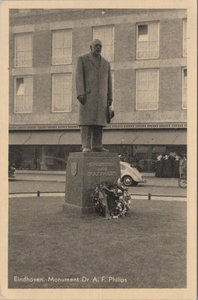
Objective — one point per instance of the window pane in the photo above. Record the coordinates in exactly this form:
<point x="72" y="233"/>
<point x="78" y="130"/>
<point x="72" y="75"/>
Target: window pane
<point x="142" y="33"/>
<point x="184" y="88"/>
<point x="57" y="37"/>
<point x="67" y="39"/>
<point x="23" y="94"/>
<point x="23" y="50"/>
<point x="23" y="42"/>
<point x="20" y="86"/>
<point x="142" y="80"/>
<point x="28" y="86"/>
<point x="62" y="47"/>
<point x="147" y="89"/>
<point x="19" y="103"/>
<point x="153" y="32"/>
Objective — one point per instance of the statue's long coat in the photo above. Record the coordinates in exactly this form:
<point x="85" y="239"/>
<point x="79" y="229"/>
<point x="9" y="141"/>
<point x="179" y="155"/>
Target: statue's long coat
<point x="96" y="84"/>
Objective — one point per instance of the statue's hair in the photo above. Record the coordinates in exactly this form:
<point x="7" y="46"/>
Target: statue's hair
<point x="95" y="42"/>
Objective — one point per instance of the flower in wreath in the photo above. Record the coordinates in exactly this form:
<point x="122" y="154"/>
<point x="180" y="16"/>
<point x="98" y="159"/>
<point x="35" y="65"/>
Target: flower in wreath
<point x="111" y="199"/>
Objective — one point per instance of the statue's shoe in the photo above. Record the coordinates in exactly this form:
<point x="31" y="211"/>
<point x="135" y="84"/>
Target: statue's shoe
<point x="86" y="150"/>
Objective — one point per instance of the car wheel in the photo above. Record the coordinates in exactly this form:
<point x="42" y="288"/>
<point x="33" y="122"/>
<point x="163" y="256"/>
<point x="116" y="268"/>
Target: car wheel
<point x="128" y="181"/>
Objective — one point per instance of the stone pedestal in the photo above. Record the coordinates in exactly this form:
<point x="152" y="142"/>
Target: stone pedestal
<point x="84" y="171"/>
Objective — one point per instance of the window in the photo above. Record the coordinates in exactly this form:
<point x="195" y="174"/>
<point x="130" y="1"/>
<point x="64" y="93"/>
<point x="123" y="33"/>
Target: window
<point x="184" y="88"/>
<point x="147" y="40"/>
<point x="147" y="89"/>
<point x="185" y="37"/>
<point x="62" y="92"/>
<point x="62" y="47"/>
<point x="106" y="35"/>
<point x="23" y="50"/>
<point x="23" y="94"/>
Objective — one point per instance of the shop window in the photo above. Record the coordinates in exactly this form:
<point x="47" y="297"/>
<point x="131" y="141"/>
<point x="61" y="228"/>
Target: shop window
<point x="106" y="35"/>
<point x="184" y="88"/>
<point x="185" y="37"/>
<point x="23" y="94"/>
<point x="62" y="47"/>
<point x="62" y="92"/>
<point x="26" y="157"/>
<point x="147" y="40"/>
<point x="23" y="50"/>
<point x="147" y="89"/>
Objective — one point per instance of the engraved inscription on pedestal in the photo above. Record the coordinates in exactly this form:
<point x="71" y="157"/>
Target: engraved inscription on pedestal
<point x="101" y="169"/>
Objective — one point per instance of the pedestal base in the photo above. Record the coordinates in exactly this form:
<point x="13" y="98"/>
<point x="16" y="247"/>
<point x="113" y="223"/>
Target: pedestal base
<point x="83" y="173"/>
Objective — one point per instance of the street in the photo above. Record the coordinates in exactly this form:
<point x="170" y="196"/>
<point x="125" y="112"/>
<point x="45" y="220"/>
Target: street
<point x="150" y="187"/>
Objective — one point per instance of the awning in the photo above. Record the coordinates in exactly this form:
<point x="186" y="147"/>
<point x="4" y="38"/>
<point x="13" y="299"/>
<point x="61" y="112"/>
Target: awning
<point x="111" y="137"/>
<point x="45" y="138"/>
<point x="146" y="137"/>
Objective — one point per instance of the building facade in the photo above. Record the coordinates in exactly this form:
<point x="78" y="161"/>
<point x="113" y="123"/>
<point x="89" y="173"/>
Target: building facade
<point x="147" y="50"/>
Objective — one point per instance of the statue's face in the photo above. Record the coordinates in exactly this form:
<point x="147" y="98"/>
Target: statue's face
<point x="96" y="49"/>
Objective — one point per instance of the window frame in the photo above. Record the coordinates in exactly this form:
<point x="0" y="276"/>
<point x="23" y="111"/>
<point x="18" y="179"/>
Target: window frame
<point x="54" y="31"/>
<point x="183" y="69"/>
<point x="53" y="98"/>
<point x="136" y="97"/>
<point x="113" y="39"/>
<point x="158" y="32"/>
<point x="15" y="50"/>
<point x="15" y="95"/>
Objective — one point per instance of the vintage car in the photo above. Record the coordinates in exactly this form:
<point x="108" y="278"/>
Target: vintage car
<point x="130" y="176"/>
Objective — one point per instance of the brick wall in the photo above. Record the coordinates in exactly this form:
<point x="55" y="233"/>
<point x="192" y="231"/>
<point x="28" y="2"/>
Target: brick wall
<point x="42" y="46"/>
<point x="170" y="88"/>
<point x="171" y="36"/>
<point x="124" y="91"/>
<point x="42" y="94"/>
<point x="11" y="52"/>
<point x="81" y="41"/>
<point x="125" y="42"/>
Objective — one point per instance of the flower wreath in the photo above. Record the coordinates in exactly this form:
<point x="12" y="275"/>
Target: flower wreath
<point x="111" y="200"/>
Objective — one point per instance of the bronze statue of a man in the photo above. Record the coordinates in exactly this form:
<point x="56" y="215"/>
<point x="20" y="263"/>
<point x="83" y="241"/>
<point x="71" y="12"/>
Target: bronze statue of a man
<point x="94" y="92"/>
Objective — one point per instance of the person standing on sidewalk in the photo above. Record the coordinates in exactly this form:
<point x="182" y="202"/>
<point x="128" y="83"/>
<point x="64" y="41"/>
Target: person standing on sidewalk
<point x="94" y="92"/>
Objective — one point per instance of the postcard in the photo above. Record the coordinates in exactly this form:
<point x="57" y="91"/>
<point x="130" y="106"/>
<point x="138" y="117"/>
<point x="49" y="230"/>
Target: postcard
<point x="98" y="149"/>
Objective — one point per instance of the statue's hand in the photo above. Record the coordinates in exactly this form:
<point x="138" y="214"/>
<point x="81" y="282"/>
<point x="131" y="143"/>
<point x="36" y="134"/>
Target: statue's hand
<point x="81" y="99"/>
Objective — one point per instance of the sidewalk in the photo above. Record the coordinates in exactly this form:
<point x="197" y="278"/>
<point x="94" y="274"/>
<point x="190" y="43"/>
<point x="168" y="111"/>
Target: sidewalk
<point x="59" y="176"/>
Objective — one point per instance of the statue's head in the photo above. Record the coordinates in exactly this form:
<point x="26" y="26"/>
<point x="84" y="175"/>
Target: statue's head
<point x="96" y="47"/>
